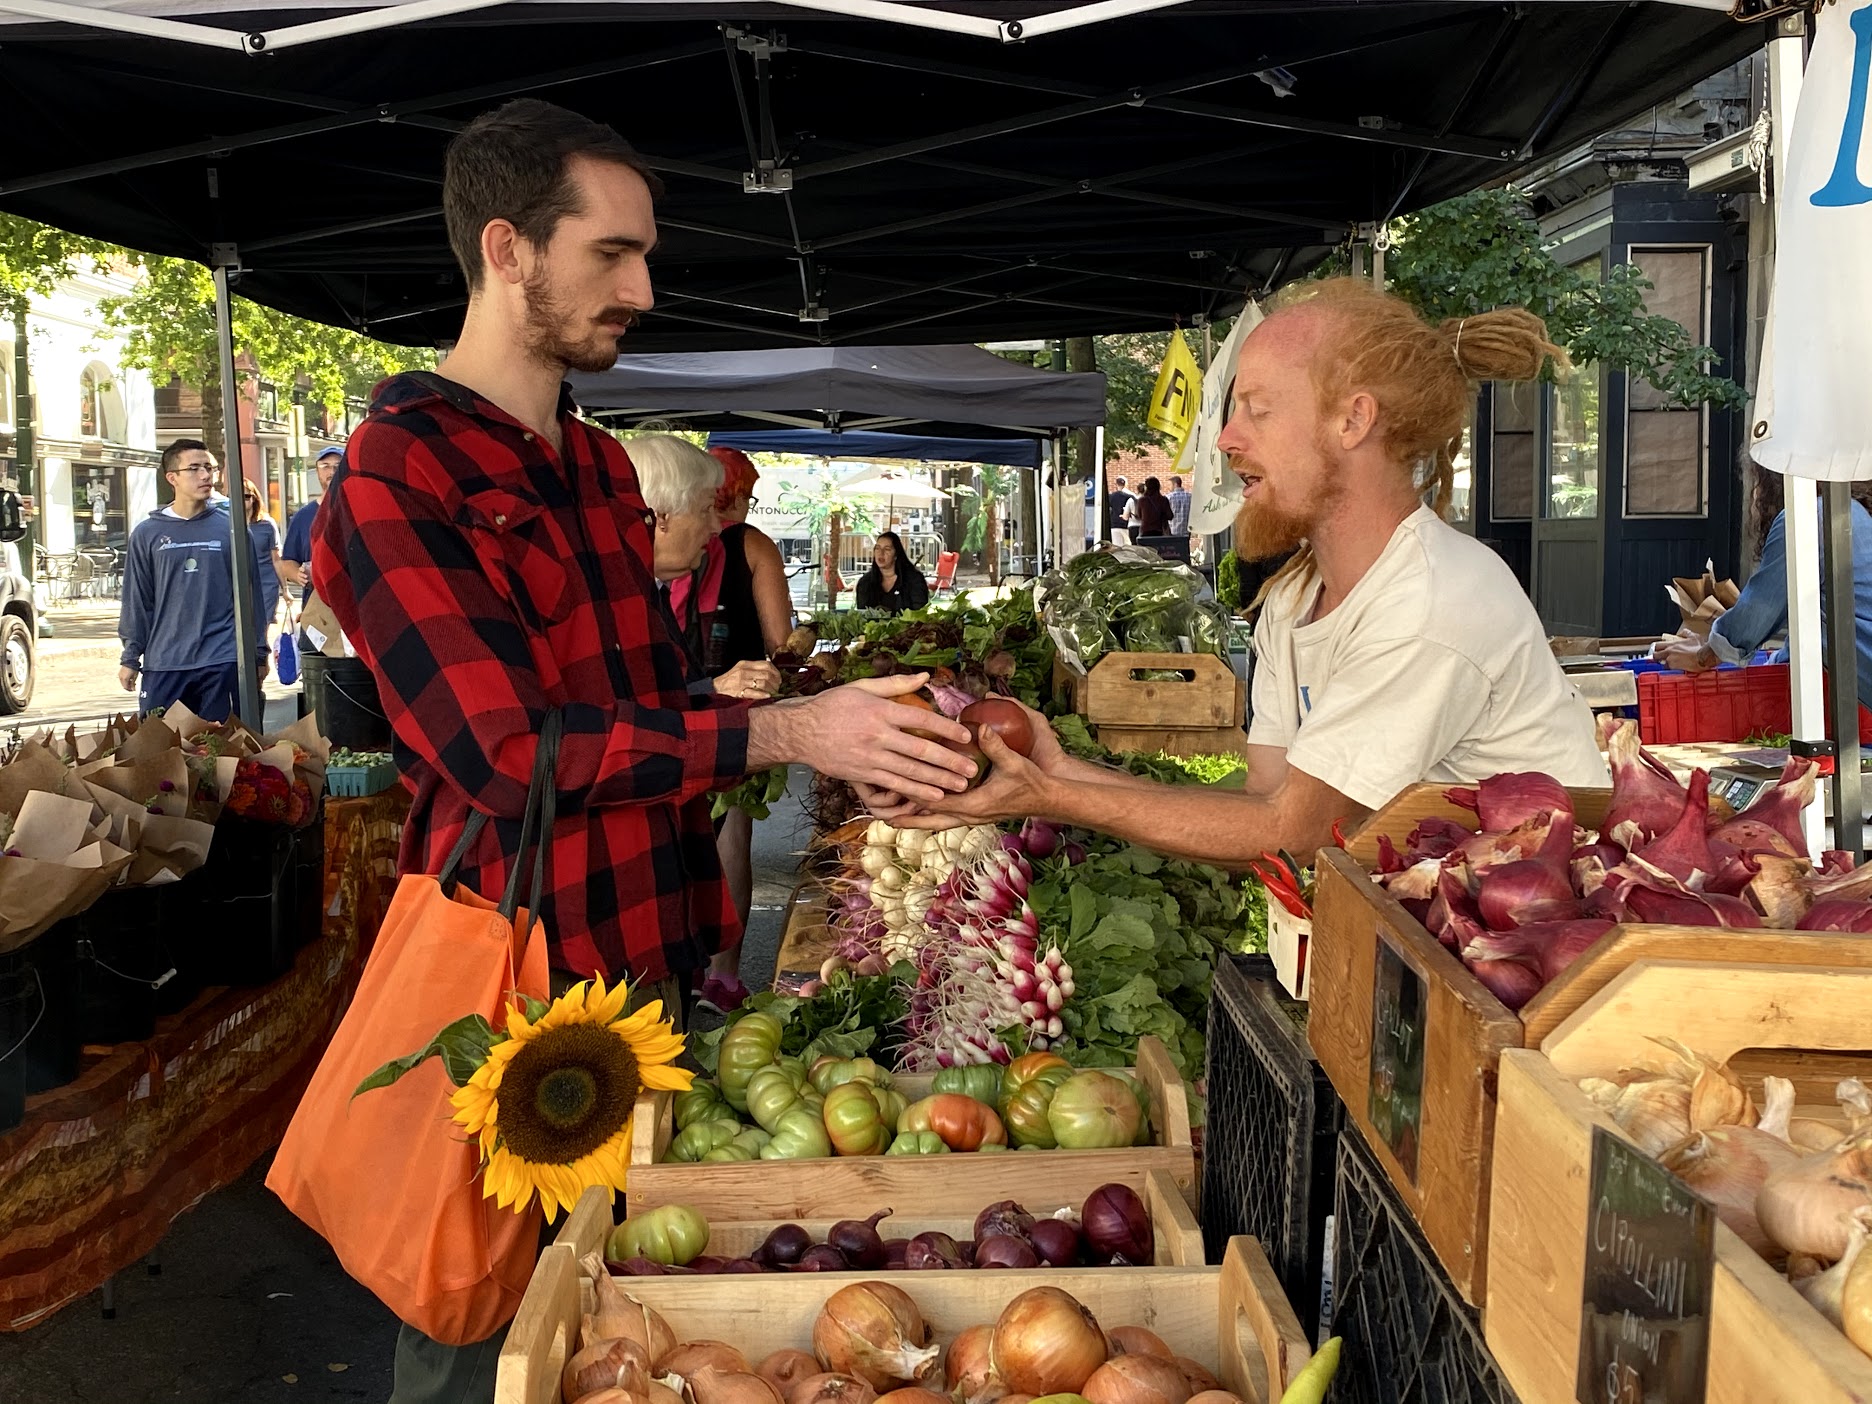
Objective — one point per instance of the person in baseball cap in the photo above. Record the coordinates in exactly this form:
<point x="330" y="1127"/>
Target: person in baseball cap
<point x="296" y="553"/>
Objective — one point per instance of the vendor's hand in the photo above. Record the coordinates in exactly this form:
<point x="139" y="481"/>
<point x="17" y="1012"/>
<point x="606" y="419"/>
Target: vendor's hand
<point x="1015" y="789"/>
<point x="755" y="678"/>
<point x="857" y="733"/>
<point x="127" y="678"/>
<point x="1689" y="655"/>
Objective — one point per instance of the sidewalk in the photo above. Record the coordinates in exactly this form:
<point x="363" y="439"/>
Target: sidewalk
<point x="81" y="628"/>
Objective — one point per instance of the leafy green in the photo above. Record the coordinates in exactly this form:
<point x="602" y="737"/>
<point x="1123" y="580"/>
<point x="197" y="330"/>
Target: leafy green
<point x="757" y="794"/>
<point x="854" y="1014"/>
<point x="462" y="1046"/>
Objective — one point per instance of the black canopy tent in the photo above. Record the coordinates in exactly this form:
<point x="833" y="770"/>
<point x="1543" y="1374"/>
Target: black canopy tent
<point x="924" y="173"/>
<point x="865" y="444"/>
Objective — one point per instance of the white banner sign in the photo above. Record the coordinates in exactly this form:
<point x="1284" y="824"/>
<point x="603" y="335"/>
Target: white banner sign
<point x="1215" y="492"/>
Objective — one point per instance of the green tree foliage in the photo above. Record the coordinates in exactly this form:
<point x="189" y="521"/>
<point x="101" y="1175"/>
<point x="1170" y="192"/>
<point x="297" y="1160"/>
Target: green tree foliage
<point x="34" y="257"/>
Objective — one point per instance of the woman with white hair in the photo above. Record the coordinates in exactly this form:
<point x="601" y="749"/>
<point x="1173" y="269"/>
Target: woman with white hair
<point x="679" y="482"/>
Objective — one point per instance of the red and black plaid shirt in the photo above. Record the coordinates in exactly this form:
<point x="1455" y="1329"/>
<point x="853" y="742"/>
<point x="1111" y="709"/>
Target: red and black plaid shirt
<point x="486" y="580"/>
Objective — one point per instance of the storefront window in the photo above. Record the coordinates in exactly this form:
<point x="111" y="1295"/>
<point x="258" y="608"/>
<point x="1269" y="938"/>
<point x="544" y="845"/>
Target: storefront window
<point x="98" y="507"/>
<point x="1577" y="452"/>
<point x="1665" y="471"/>
<point x="1511" y="460"/>
<point x="88" y="407"/>
<point x="1462" y="489"/>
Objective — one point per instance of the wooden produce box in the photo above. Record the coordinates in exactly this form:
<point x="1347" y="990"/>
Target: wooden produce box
<point x="1232" y="1319"/>
<point x="781" y="1191"/>
<point x="1449" y="1031"/>
<point x="806" y="939"/>
<point x="1201" y="714"/>
<point x="1765" y="1341"/>
<point x="1173" y="1225"/>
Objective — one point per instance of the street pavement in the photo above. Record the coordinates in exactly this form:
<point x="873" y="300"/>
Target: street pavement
<point x="250" y="1307"/>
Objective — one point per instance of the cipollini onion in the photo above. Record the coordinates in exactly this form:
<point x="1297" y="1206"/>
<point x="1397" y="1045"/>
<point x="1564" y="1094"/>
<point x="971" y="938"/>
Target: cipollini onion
<point x="913" y="1394"/>
<point x="1808" y="1207"/>
<point x="1046" y="1342"/>
<point x="1137" y="1379"/>
<point x="1135" y="1340"/>
<point x="711" y="1386"/>
<point x="1856" y="1296"/>
<point x="1200" y="1380"/>
<point x="620" y="1315"/>
<point x="604" y="1365"/>
<point x="1827" y="1290"/>
<point x="786" y="1368"/>
<point x="693" y="1356"/>
<point x="1215" y="1396"/>
<point x="830" y="1387"/>
<point x="1728" y="1164"/>
<point x="874" y="1331"/>
<point x="967" y="1372"/>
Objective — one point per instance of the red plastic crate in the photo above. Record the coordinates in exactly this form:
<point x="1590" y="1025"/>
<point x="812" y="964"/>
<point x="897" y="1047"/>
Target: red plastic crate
<point x="1730" y="704"/>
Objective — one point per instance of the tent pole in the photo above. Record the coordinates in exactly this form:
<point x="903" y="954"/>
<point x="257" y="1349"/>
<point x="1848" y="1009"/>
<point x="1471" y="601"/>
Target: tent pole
<point x="1842" y="661"/>
<point x="250" y="707"/>
<point x="1786" y="63"/>
<point x="1099" y="531"/>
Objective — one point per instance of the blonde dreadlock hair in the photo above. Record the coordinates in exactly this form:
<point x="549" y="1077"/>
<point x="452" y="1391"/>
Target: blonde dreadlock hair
<point x="1422" y="377"/>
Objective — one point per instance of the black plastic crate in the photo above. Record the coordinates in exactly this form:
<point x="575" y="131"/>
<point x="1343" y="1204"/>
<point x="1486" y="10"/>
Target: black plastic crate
<point x="1408" y="1337"/>
<point x="123" y="962"/>
<point x="308" y="863"/>
<point x="237" y="919"/>
<point x="1269" y="1131"/>
<point x="39" y="1023"/>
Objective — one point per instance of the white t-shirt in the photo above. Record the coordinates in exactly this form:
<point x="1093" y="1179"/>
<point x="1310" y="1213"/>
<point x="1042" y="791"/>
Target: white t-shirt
<point x="1434" y="669"/>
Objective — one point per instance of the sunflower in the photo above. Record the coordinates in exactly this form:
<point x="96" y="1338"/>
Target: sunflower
<point x="552" y="1105"/>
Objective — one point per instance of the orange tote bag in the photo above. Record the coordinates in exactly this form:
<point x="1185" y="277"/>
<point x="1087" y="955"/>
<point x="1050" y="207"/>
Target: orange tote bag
<point x="387" y="1178"/>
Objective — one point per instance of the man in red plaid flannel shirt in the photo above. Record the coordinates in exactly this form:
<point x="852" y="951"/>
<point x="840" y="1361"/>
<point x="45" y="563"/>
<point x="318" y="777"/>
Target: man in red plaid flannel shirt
<point x="489" y="556"/>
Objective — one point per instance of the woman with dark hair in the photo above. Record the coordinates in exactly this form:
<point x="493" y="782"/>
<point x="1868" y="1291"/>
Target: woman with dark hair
<point x="1153" y="510"/>
<point x="893" y="584"/>
<point x="1761" y="611"/>
<point x="263" y="531"/>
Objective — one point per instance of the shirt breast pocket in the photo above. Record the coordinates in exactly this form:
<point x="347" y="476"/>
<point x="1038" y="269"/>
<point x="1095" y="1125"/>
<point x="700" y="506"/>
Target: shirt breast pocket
<point x="518" y="546"/>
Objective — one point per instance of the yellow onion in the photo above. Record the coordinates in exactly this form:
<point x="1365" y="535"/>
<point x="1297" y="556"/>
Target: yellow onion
<point x="1728" y="1166"/>
<point x="693" y="1356"/>
<point x="661" y="1393"/>
<point x="913" y="1394"/>
<point x="1137" y="1379"/>
<point x="1200" y="1380"/>
<point x="711" y="1386"/>
<point x="1046" y="1342"/>
<point x="620" y="1315"/>
<point x="1808" y="1206"/>
<point x="1827" y="1290"/>
<point x="786" y="1368"/>
<point x="1215" y="1396"/>
<point x="609" y="1364"/>
<point x="1135" y="1340"/>
<point x="874" y="1331"/>
<point x="611" y="1395"/>
<point x="1856" y="1294"/>
<point x="829" y="1387"/>
<point x="967" y="1370"/>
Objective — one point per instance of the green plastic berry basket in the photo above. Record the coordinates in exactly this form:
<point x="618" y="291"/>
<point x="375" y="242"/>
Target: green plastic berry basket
<point x="356" y="781"/>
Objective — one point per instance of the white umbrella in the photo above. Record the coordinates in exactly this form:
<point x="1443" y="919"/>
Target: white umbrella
<point x="890" y="486"/>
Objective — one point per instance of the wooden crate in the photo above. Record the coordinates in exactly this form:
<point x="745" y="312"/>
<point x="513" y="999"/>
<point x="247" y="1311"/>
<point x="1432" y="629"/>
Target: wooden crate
<point x="1766" y="1342"/>
<point x="1107" y="694"/>
<point x="1210" y="741"/>
<point x="1173" y="1224"/>
<point x="1231" y="1319"/>
<point x="778" y="1191"/>
<point x="1466" y="1028"/>
<point x="805" y="937"/>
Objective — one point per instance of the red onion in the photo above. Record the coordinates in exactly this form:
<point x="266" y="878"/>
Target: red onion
<point x="1115" y="1223"/>
<point x="1645" y="795"/>
<point x="1526" y="891"/>
<point x="1435" y="838"/>
<point x="784" y="1246"/>
<point x="1005" y="1217"/>
<point x="1005" y="1251"/>
<point x="1452" y="900"/>
<point x="1510" y="799"/>
<point x="1683" y="850"/>
<point x="742" y="1265"/>
<point x="1056" y="1241"/>
<point x="1513" y="982"/>
<point x="1776" y="811"/>
<point x="822" y="1257"/>
<point x="1388" y="860"/>
<point x="1835" y="915"/>
<point x="706" y="1264"/>
<point x="857" y="1240"/>
<point x="1567" y="942"/>
<point x="932" y="1250"/>
<point x="894" y="1249"/>
<point x="639" y="1267"/>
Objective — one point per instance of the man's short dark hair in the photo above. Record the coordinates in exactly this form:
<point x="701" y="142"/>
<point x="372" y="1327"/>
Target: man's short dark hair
<point x="1176" y="482"/>
<point x="175" y="451"/>
<point x="511" y="164"/>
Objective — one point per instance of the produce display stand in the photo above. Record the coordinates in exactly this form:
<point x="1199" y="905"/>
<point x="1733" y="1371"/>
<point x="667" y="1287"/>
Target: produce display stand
<point x="1232" y="1319"/>
<point x="93" y="1177"/>
<point x="1199" y="714"/>
<point x="780" y="1191"/>
<point x="1178" y="1236"/>
<point x="1765" y="1341"/>
<point x="1465" y="1028"/>
<point x="1270" y="1132"/>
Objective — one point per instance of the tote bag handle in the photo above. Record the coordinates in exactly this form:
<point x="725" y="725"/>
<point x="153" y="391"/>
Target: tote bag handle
<point x="536" y="825"/>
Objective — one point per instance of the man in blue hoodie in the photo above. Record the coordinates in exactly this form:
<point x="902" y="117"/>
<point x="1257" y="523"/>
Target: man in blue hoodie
<point x="177" y="623"/>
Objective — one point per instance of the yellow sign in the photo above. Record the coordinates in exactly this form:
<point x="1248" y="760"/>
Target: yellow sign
<point x="1178" y="391"/>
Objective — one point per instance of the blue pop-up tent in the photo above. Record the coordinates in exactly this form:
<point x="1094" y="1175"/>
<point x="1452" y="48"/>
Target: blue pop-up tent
<point x="868" y="445"/>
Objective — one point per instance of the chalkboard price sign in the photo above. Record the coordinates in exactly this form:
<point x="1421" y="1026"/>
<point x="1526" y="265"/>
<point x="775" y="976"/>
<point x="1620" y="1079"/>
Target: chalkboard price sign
<point x="1645" y="1301"/>
<point x="1400" y="1011"/>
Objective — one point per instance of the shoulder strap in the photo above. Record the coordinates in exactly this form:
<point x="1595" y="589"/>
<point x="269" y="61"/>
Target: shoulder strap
<point x="536" y="825"/>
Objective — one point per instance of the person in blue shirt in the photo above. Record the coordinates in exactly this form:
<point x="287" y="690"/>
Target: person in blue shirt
<point x="177" y="620"/>
<point x="263" y="531"/>
<point x="1761" y="612"/>
<point x="296" y="554"/>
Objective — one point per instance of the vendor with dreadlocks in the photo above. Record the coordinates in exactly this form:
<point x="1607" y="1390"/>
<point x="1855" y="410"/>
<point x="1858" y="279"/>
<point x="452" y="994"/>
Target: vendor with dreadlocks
<point x="1392" y="648"/>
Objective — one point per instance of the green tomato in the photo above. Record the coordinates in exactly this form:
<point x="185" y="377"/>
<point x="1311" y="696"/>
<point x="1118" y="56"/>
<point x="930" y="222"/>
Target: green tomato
<point x="750" y="1045"/>
<point x="854" y="1121"/>
<point x="1093" y="1111"/>
<point x="671" y="1234"/>
<point x="1144" y="1133"/>
<point x="982" y="1081"/>
<point x="918" y="1143"/>
<point x="772" y="1092"/>
<point x="702" y="1102"/>
<point x="799" y="1135"/>
<point x="697" y="1140"/>
<point x="729" y="1154"/>
<point x="829" y="1072"/>
<point x="753" y="1138"/>
<point x="1026" y="1109"/>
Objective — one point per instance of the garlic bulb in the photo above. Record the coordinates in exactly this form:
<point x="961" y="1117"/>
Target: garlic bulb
<point x="1826" y="1290"/>
<point x="1660" y="1103"/>
<point x="1808" y="1207"/>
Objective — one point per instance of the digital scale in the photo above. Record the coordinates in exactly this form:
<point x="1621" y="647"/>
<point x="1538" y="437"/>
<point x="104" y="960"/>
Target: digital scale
<point x="1740" y="785"/>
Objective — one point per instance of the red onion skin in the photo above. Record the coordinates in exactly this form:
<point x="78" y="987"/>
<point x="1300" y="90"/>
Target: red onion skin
<point x="1435" y="838"/>
<point x="1835" y="915"/>
<point x="1644" y="793"/>
<point x="1684" y="848"/>
<point x="931" y="1251"/>
<point x="1513" y="982"/>
<point x="1005" y="1251"/>
<point x="821" y="1257"/>
<point x="1114" y="1222"/>
<point x="1512" y="798"/>
<point x="1530" y="890"/>
<point x="1776" y="809"/>
<point x="1006" y="1217"/>
<point x="1056" y="1241"/>
<point x="742" y="1265"/>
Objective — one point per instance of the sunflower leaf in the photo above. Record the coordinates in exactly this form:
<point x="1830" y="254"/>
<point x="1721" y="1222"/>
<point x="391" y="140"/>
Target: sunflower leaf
<point x="535" y="1008"/>
<point x="462" y="1046"/>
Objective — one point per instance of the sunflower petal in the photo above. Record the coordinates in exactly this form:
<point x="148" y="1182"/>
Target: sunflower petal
<point x="664" y="1077"/>
<point x="607" y="1009"/>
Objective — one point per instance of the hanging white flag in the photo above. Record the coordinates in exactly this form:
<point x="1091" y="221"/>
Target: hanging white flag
<point x="1813" y="417"/>
<point x="1215" y="492"/>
